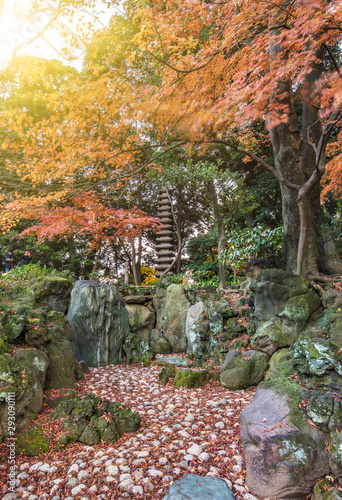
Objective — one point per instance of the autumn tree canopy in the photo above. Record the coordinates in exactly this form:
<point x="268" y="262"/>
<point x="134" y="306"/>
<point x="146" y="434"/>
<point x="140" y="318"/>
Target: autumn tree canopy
<point x="195" y="74"/>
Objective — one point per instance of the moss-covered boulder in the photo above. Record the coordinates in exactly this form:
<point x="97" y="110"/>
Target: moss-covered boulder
<point x="318" y="362"/>
<point x="332" y="299"/>
<point x="324" y="491"/>
<point x="19" y="383"/>
<point x="185" y="377"/>
<point x="90" y="420"/>
<point x="32" y="442"/>
<point x="35" y="363"/>
<point x="166" y="373"/>
<point x="137" y="350"/>
<point x="281" y="364"/>
<point x="159" y="343"/>
<point x="320" y="409"/>
<point x="284" y="453"/>
<point x="240" y="371"/>
<point x="272" y="289"/>
<point x="272" y="336"/>
<point x="63" y="367"/>
<point x="52" y="292"/>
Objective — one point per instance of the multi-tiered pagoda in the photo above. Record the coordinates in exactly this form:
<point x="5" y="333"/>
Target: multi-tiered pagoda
<point x="165" y="254"/>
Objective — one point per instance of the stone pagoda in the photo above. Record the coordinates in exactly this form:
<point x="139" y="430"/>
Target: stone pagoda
<point x="165" y="254"/>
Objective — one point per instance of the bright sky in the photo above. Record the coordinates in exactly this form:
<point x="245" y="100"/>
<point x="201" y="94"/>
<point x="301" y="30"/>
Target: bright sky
<point x="16" y="29"/>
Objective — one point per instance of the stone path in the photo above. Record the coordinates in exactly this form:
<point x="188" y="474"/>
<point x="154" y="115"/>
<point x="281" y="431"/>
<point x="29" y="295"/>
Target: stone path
<point x="183" y="431"/>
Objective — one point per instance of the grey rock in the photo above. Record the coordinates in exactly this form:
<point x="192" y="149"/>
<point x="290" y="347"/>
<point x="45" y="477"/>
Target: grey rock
<point x="99" y="322"/>
<point x="284" y="454"/>
<point x="159" y="343"/>
<point x="272" y="289"/>
<point x="195" y="487"/>
<point x="141" y="320"/>
<point x="176" y="310"/>
<point x="194" y="312"/>
<point x="281" y="364"/>
<point x="332" y="299"/>
<point x="240" y="371"/>
<point x="35" y="363"/>
<point x="272" y="336"/>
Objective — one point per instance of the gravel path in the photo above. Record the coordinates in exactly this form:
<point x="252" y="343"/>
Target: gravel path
<point x="183" y="431"/>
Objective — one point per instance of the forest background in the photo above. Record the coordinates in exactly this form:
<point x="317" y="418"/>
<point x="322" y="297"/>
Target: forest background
<point x="234" y="106"/>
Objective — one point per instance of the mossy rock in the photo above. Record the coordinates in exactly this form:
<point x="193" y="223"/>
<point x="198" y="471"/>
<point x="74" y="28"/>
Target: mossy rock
<point x="52" y="292"/>
<point x="281" y="364"/>
<point x="32" y="442"/>
<point x="324" y="491"/>
<point x="240" y="371"/>
<point x="137" y="350"/>
<point x="191" y="378"/>
<point x="320" y="409"/>
<point x="169" y="371"/>
<point x="335" y="455"/>
<point x="91" y="420"/>
<point x="272" y="336"/>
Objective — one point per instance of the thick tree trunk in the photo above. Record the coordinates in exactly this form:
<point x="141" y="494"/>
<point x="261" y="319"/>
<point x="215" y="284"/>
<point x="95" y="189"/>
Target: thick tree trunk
<point x="179" y="226"/>
<point x="222" y="238"/>
<point x="137" y="282"/>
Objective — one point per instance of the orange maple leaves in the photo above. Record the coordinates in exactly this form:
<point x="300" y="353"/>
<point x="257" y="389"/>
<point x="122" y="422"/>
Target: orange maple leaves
<point x="87" y="215"/>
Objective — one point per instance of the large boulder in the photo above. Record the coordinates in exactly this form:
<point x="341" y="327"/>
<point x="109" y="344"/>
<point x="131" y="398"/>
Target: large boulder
<point x="284" y="453"/>
<point x="159" y="301"/>
<point x="332" y="299"/>
<point x="20" y="381"/>
<point x="240" y="371"/>
<point x="175" y="313"/>
<point x="195" y="487"/>
<point x="272" y="289"/>
<point x="194" y="313"/>
<point x="99" y="323"/>
<point x="141" y="320"/>
<point x="281" y="364"/>
<point x="35" y="363"/>
<point x="52" y="292"/>
<point x="272" y="336"/>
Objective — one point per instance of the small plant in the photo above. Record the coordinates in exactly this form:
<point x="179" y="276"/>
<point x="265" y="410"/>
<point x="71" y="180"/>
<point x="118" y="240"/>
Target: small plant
<point x="148" y="275"/>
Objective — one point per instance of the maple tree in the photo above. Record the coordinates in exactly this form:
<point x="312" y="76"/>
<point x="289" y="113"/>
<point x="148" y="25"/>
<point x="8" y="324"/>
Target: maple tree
<point x="87" y="215"/>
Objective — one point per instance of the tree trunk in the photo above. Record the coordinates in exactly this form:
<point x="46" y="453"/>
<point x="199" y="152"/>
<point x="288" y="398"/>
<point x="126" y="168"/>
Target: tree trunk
<point x="222" y="238"/>
<point x="134" y="265"/>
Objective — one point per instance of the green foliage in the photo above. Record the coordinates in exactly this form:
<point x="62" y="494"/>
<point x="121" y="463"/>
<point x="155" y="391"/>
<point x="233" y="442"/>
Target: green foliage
<point x="15" y="282"/>
<point x="259" y="242"/>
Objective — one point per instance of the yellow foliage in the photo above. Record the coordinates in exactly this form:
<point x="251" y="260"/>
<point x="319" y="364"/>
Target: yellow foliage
<point x="149" y="275"/>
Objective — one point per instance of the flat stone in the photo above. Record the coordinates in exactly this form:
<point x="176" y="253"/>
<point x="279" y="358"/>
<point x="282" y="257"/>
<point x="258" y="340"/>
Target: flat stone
<point x="199" y="488"/>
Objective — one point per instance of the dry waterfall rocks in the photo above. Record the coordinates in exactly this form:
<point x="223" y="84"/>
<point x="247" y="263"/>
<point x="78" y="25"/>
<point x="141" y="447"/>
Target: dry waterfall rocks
<point x="240" y="371"/>
<point x="196" y="487"/>
<point x="284" y="454"/>
<point x="99" y="323"/>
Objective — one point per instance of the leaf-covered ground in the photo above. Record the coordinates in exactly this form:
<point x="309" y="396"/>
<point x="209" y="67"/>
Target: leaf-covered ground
<point x="183" y="431"/>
